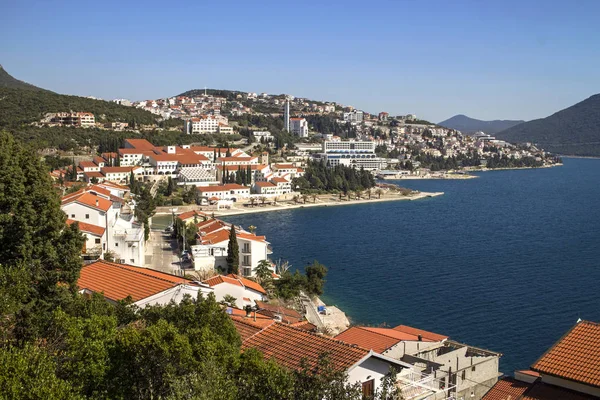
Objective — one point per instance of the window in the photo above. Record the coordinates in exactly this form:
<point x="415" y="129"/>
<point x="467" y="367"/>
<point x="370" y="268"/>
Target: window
<point x="368" y="389"/>
<point x="131" y="260"/>
<point x="246" y="260"/>
<point x="72" y="215"/>
<point x="87" y="216"/>
<point x="116" y="244"/>
<point x="473" y="368"/>
<point x="97" y="241"/>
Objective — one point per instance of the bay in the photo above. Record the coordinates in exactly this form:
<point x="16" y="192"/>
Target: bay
<point x="508" y="261"/>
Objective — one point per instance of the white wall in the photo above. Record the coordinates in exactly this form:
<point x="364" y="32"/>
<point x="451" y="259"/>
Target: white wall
<point x="176" y="294"/>
<point x="371" y="368"/>
<point x="223" y="289"/>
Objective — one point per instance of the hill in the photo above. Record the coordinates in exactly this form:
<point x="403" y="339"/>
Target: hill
<point x="471" y="125"/>
<point x="572" y="131"/>
<point x="8" y="81"/>
<point x="21" y="106"/>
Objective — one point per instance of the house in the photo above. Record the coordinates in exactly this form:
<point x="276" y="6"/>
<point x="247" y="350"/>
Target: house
<point x="106" y="221"/>
<point x="569" y="370"/>
<point x="245" y="291"/>
<point x="279" y="313"/>
<point x="465" y="371"/>
<point x="210" y="252"/>
<point x="230" y="191"/>
<point x="294" y="349"/>
<point x="145" y="286"/>
<point x="299" y="127"/>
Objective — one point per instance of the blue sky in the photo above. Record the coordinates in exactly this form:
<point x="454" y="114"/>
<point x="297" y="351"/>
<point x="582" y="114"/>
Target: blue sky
<point x="486" y="59"/>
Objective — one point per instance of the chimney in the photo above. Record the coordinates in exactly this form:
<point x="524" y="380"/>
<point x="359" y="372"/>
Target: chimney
<point x="420" y="338"/>
<point x="96" y="202"/>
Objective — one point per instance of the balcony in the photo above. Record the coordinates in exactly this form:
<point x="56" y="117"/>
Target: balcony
<point x="246" y="250"/>
<point x="415" y="385"/>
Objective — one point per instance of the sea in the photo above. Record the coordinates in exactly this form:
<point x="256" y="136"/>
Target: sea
<point x="507" y="262"/>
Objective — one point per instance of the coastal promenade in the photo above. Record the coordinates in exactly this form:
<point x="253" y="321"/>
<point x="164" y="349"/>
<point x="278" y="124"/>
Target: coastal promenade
<point x="320" y="201"/>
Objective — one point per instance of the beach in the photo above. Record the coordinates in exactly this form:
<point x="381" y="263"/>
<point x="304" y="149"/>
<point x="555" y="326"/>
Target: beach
<point x="321" y="201"/>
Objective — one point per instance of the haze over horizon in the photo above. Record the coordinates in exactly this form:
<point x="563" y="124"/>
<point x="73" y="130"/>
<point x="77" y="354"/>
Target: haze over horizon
<point x="512" y="60"/>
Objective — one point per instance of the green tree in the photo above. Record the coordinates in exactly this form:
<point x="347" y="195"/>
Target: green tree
<point x="34" y="235"/>
<point x="315" y="278"/>
<point x="233" y="253"/>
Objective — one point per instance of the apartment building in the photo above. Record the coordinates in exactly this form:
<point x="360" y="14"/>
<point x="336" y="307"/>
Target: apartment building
<point x="299" y="127"/>
<point x="80" y="119"/>
<point x="351" y="153"/>
<point x="204" y="124"/>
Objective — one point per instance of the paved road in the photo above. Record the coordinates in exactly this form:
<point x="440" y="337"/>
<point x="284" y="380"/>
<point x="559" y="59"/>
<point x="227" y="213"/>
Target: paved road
<point x="161" y="253"/>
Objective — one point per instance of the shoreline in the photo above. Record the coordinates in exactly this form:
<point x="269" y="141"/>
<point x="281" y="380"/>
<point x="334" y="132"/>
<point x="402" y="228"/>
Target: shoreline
<point x="319" y="203"/>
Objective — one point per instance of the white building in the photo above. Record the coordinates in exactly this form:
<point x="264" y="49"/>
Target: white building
<point x="353" y="116"/>
<point x="230" y="191"/>
<point x="204" y="124"/>
<point x="357" y="154"/>
<point x="245" y="291"/>
<point x="299" y="127"/>
<point x="101" y="215"/>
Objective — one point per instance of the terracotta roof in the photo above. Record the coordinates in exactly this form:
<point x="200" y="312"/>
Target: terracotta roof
<point x="265" y="184"/>
<point x="218" y="279"/>
<point x="93" y="174"/>
<point x="191" y="214"/>
<point x="245" y="328"/>
<point x="367" y="339"/>
<point x="291" y="346"/>
<point x="109" y="170"/>
<point x="216" y="237"/>
<point x="88" y="164"/>
<point x="288" y="315"/>
<point x="117" y="281"/>
<point x="251" y="236"/>
<point x="436" y="337"/>
<point x="140" y="144"/>
<point x="248" y="283"/>
<point x="90" y="200"/>
<point x="284" y="166"/>
<point x="576" y="356"/>
<point x="88" y="228"/>
<point x="543" y="391"/>
<point x="279" y="180"/>
<point x="506" y="389"/>
<point x="305" y="326"/>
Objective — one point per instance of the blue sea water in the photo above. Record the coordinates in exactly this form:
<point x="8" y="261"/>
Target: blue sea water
<point x="507" y="262"/>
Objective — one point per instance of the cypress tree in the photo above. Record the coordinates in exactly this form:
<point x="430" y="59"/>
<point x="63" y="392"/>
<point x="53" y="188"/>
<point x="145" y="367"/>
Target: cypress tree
<point x="233" y="253"/>
<point x="249" y="173"/>
<point x="238" y="176"/>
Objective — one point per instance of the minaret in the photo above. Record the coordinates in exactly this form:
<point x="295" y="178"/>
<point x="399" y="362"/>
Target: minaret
<point x="286" y="116"/>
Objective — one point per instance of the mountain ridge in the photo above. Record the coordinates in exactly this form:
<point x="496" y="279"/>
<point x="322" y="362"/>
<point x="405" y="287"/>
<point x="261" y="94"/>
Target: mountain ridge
<point x="468" y="125"/>
<point x="574" y="130"/>
<point x="8" y="81"/>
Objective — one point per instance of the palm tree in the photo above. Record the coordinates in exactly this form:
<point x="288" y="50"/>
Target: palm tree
<point x="252" y="229"/>
<point x="296" y="199"/>
<point x="314" y="197"/>
<point x="369" y="193"/>
<point x="357" y="194"/>
<point x="304" y="198"/>
<point x="263" y="200"/>
<point x="252" y="201"/>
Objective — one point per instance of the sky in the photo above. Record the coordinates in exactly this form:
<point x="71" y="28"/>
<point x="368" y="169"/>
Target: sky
<point x="486" y="59"/>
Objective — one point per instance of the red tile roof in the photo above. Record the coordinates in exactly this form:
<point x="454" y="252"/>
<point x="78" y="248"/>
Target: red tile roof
<point x="367" y="339"/>
<point x="542" y="391"/>
<point x="248" y="283"/>
<point x="88" y="228"/>
<point x="117" y="281"/>
<point x="288" y="315"/>
<point x="436" y="337"/>
<point x="140" y="144"/>
<point x="265" y="184"/>
<point x="251" y="236"/>
<point x="88" y="164"/>
<point x="305" y="326"/>
<point x="576" y="356"/>
<point x="89" y="200"/>
<point x="507" y="389"/>
<point x="218" y="279"/>
<point x="191" y="214"/>
<point x="291" y="346"/>
<point x="245" y="327"/>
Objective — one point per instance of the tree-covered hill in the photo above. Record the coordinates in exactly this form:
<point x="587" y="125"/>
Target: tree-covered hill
<point x="471" y="125"/>
<point x="572" y="131"/>
<point x="8" y="81"/>
<point x="19" y="106"/>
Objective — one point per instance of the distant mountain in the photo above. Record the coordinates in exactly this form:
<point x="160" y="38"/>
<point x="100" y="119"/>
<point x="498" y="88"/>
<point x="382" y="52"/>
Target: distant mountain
<point x="472" y="125"/>
<point x="7" y="81"/>
<point x="572" y="131"/>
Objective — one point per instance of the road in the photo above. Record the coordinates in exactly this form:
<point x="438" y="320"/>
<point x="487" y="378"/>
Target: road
<point x="161" y="253"/>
